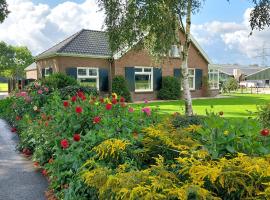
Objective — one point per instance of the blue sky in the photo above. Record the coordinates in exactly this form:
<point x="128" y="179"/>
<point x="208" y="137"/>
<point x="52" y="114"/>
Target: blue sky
<point x="220" y="27"/>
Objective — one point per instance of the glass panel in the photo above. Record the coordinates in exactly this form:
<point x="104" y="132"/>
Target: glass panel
<point x="82" y="72"/>
<point x="142" y="82"/>
<point x="147" y="70"/>
<point x="138" y="69"/>
<point x="191" y="72"/>
<point x="47" y="72"/>
<point x="92" y="72"/>
<point x="90" y="82"/>
<point x="190" y="81"/>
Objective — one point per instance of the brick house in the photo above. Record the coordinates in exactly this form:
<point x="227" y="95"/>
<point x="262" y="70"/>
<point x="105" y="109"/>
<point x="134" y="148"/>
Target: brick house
<point x="86" y="57"/>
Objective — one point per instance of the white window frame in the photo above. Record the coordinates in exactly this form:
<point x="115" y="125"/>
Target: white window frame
<point x="47" y="71"/>
<point x="213" y="71"/>
<point x="87" y="74"/>
<point x="144" y="73"/>
<point x="192" y="76"/>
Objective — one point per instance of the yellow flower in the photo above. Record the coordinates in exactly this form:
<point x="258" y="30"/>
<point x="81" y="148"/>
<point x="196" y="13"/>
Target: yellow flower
<point x="193" y="128"/>
<point x="107" y="100"/>
<point x="226" y="133"/>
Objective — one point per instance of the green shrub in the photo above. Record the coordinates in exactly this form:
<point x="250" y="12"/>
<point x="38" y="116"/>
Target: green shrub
<point x="170" y="89"/>
<point x="264" y="115"/>
<point x="182" y="121"/>
<point x="120" y="87"/>
<point x="230" y="85"/>
<point x="72" y="91"/>
<point x="58" y="81"/>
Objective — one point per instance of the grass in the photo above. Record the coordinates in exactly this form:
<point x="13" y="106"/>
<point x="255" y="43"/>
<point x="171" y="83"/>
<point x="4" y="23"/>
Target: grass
<point x="3" y="87"/>
<point x="233" y="106"/>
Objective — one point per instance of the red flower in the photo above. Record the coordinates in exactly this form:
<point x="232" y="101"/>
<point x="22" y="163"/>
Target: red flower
<point x="265" y="132"/>
<point x="36" y="164"/>
<point x="131" y="110"/>
<point x="221" y="113"/>
<point x="108" y="106"/>
<point x="123" y="105"/>
<point x="26" y="152"/>
<point x="46" y="124"/>
<point x="50" y="161"/>
<point x="122" y="99"/>
<point x="114" y="101"/>
<point x="76" y="137"/>
<point x="83" y="98"/>
<point x="18" y="118"/>
<point x="74" y="98"/>
<point x="64" y="144"/>
<point x="79" y="109"/>
<point x="80" y="94"/>
<point x="96" y="120"/>
<point x="66" y="104"/>
<point x="13" y="130"/>
<point x="44" y="172"/>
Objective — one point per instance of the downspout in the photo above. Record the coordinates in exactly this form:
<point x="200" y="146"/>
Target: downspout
<point x="110" y="75"/>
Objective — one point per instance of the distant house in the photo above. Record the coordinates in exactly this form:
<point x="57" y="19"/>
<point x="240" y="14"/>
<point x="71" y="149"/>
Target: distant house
<point x="86" y="56"/>
<point x="260" y="78"/>
<point x="31" y="71"/>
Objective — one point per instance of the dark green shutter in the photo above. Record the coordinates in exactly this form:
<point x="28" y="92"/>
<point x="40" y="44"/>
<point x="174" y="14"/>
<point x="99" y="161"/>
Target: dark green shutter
<point x="50" y="71"/>
<point x="130" y="78"/>
<point x="177" y="72"/>
<point x="103" y="80"/>
<point x="198" y="79"/>
<point x="43" y="73"/>
<point x="157" y="78"/>
<point x="72" y="71"/>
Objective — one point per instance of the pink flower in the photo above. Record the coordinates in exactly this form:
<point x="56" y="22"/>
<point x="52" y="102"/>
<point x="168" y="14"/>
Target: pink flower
<point x="46" y="89"/>
<point x="40" y="91"/>
<point x="131" y="110"/>
<point x="147" y="111"/>
<point x="145" y="101"/>
<point x="23" y="94"/>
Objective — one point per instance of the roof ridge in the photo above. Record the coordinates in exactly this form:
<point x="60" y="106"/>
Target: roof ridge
<point x="74" y="37"/>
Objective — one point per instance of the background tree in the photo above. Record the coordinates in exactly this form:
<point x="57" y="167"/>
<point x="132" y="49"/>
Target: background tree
<point x="157" y="25"/>
<point x="13" y="60"/>
<point x="3" y="10"/>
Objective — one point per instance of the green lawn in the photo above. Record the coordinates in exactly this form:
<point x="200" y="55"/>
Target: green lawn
<point x="234" y="106"/>
<point x="3" y="87"/>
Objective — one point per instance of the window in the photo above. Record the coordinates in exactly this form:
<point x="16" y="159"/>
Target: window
<point x="191" y="78"/>
<point x="47" y="71"/>
<point x="213" y="76"/>
<point x="143" y="79"/>
<point x="88" y="76"/>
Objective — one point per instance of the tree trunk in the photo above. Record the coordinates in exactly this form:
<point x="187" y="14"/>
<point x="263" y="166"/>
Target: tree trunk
<point x="185" y="82"/>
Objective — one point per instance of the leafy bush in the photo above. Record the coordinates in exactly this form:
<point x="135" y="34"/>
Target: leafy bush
<point x="264" y="115"/>
<point x="58" y="81"/>
<point x="170" y="89"/>
<point x="230" y="85"/>
<point x="120" y="87"/>
<point x="183" y="121"/>
<point x="69" y="91"/>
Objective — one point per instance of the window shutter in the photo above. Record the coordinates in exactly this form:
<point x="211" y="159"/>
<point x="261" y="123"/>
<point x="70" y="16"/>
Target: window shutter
<point x="130" y="78"/>
<point x="157" y="79"/>
<point x="72" y="71"/>
<point x="177" y="72"/>
<point x="198" y="79"/>
<point x="103" y="80"/>
<point x="50" y="71"/>
<point x="43" y="73"/>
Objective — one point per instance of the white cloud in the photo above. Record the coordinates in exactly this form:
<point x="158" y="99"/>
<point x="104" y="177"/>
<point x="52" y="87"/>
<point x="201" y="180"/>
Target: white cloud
<point x="38" y="26"/>
<point x="235" y="36"/>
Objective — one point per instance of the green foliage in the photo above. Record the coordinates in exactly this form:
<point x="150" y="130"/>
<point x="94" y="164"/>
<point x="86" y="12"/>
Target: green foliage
<point x="263" y="115"/>
<point x="13" y="60"/>
<point x="3" y="10"/>
<point x="120" y="87"/>
<point x="69" y="91"/>
<point x="206" y="86"/>
<point x="58" y="81"/>
<point x="231" y="84"/>
<point x="170" y="89"/>
<point x="183" y="121"/>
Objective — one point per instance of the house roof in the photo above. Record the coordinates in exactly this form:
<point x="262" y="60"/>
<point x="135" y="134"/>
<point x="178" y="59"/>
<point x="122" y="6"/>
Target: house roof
<point x="87" y="43"/>
<point x="244" y="69"/>
<point x="91" y="43"/>
<point x="31" y="67"/>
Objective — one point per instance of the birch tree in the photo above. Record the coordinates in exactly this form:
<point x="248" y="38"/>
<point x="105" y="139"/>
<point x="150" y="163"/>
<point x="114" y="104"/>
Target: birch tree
<point x="3" y="10"/>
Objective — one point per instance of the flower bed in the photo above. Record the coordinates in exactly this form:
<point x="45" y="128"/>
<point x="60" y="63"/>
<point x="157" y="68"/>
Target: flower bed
<point x="101" y="148"/>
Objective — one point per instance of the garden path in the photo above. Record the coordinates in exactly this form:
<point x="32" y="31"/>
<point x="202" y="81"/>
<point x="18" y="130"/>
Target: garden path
<point x="18" y="179"/>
